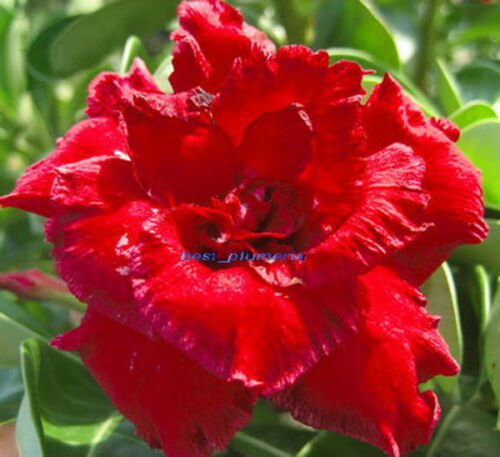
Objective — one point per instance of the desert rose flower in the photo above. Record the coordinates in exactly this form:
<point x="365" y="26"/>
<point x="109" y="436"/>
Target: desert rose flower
<point x="256" y="150"/>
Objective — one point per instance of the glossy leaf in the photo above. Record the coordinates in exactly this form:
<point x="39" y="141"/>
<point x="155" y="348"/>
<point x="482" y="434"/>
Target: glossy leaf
<point x="349" y="22"/>
<point x="448" y="91"/>
<point x="485" y="253"/>
<point x="65" y="413"/>
<point x="480" y="80"/>
<point x="442" y="300"/>
<point x="467" y="431"/>
<point x="471" y="113"/>
<point x="491" y="350"/>
<point x="480" y="143"/>
<point x="11" y="392"/>
<point x="88" y="39"/>
<point x="16" y="325"/>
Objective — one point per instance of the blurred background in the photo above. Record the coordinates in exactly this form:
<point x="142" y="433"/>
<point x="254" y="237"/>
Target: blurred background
<point x="446" y="53"/>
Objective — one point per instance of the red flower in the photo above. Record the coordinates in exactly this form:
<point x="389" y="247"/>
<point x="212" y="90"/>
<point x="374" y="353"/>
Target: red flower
<point x="258" y="151"/>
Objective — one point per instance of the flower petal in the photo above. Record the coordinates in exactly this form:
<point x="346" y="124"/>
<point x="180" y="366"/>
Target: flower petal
<point x="368" y="387"/>
<point x="91" y="138"/>
<point x="278" y="145"/>
<point x="387" y="206"/>
<point x="456" y="205"/>
<point x="294" y="75"/>
<point x="174" y="403"/>
<point x="211" y="36"/>
<point x="227" y="318"/>
<point x="176" y="158"/>
<point x="108" y="89"/>
<point x="97" y="183"/>
<point x="127" y="264"/>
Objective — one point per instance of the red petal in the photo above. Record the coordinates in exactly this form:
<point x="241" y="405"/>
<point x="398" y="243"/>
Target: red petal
<point x="211" y="36"/>
<point x="179" y="159"/>
<point x="92" y="138"/>
<point x="108" y="89"/>
<point x="453" y="183"/>
<point x="233" y="323"/>
<point x="368" y="387"/>
<point x="93" y="253"/>
<point x="127" y="263"/>
<point x="294" y="75"/>
<point x="278" y="145"/>
<point x="387" y="206"/>
<point x="174" y="403"/>
<point x="100" y="182"/>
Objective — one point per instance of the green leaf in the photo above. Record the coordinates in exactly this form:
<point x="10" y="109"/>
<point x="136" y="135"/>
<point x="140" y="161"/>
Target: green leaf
<point x="11" y="393"/>
<point x="442" y="300"/>
<point x="355" y="24"/>
<point x="88" y="39"/>
<point x="448" y="91"/>
<point x="479" y="142"/>
<point x="38" y="55"/>
<point x="65" y="413"/>
<point x="479" y="80"/>
<point x="334" y="445"/>
<point x="485" y="253"/>
<point x="133" y="48"/>
<point x="467" y="431"/>
<point x="16" y="325"/>
<point x="492" y="350"/>
<point x="471" y="113"/>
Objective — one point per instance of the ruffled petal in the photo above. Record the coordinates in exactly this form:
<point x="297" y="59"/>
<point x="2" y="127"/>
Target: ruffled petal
<point x="108" y="89"/>
<point x="368" y="387"/>
<point x="455" y="210"/>
<point x="98" y="183"/>
<point x="174" y="403"/>
<point x="387" y="205"/>
<point x="179" y="156"/>
<point x="278" y="145"/>
<point x="225" y="316"/>
<point x="128" y="264"/>
<point x="294" y="75"/>
<point x="211" y="36"/>
<point x="91" y="138"/>
<point x="92" y="254"/>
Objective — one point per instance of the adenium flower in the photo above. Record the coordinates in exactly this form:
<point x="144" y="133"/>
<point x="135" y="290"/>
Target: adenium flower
<point x="256" y="149"/>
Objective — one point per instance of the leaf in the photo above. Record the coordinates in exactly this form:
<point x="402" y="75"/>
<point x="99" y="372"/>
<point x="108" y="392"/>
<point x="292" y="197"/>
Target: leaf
<point x="479" y="80"/>
<point x="65" y="413"/>
<point x="471" y="113"/>
<point x="355" y="24"/>
<point x="492" y="352"/>
<point x="11" y="393"/>
<point x="133" y="48"/>
<point x="467" y="431"/>
<point x="16" y="325"/>
<point x="88" y="39"/>
<point x="485" y="253"/>
<point x="38" y="55"/>
<point x="448" y="91"/>
<point x="334" y="445"/>
<point x="479" y="142"/>
<point x="442" y="300"/>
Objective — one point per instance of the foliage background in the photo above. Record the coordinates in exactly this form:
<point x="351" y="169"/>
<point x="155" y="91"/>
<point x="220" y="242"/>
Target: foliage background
<point x="446" y="53"/>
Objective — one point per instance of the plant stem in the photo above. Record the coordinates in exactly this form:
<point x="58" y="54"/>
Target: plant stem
<point x="294" y="20"/>
<point x="426" y="43"/>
